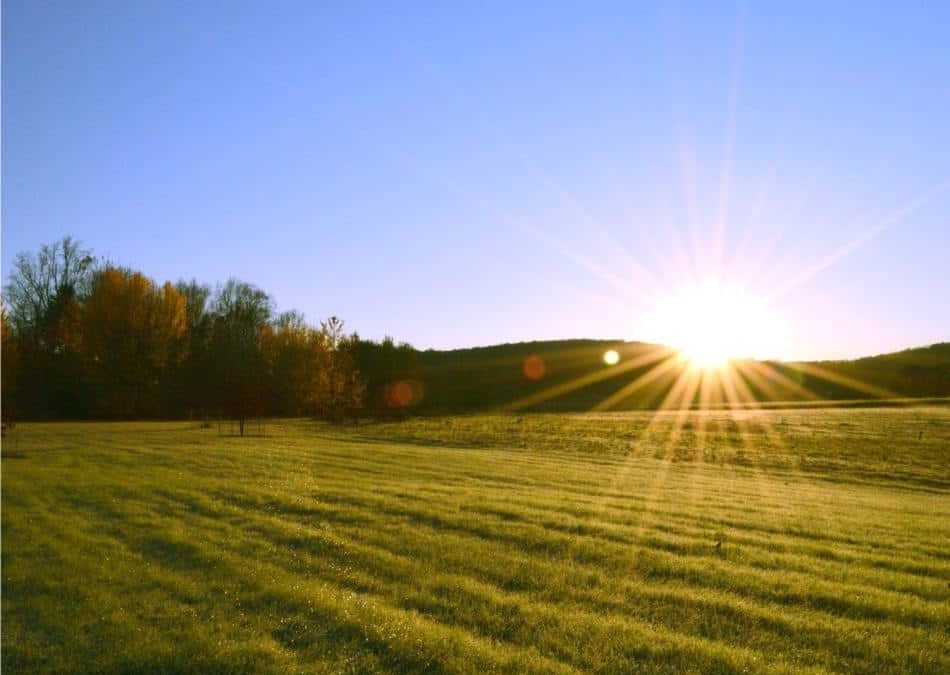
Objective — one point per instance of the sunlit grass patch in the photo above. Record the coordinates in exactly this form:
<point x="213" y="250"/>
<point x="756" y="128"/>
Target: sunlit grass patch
<point x="760" y="541"/>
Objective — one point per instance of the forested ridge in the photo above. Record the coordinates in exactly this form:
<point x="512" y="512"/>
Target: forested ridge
<point x="84" y="338"/>
<point x="87" y="339"/>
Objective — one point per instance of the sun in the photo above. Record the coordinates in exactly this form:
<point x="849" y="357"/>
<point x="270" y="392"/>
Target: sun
<point x="712" y="324"/>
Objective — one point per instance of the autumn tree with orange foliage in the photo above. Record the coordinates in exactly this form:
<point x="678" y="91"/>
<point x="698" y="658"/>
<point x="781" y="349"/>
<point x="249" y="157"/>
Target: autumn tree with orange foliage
<point x="84" y="339"/>
<point x="132" y="337"/>
<point x="338" y="391"/>
<point x="294" y="352"/>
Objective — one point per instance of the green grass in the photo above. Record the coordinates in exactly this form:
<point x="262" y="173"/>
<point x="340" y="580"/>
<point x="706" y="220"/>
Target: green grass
<point x="544" y="544"/>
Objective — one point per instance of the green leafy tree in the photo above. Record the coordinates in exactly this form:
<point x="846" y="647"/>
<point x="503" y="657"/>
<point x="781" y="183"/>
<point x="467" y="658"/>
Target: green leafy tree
<point x="241" y="313"/>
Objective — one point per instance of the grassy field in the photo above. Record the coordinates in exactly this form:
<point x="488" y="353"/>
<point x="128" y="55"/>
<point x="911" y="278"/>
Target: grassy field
<point x="537" y="544"/>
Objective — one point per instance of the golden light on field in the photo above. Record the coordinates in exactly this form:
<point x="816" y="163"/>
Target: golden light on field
<point x="712" y="324"/>
<point x="611" y="357"/>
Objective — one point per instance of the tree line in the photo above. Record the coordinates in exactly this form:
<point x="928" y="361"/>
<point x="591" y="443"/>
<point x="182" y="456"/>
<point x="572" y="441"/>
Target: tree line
<point x="83" y="338"/>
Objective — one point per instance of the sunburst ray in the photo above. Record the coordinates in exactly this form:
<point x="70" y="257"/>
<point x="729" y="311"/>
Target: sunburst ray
<point x="651" y="357"/>
<point x="837" y="378"/>
<point x="768" y="379"/>
<point x="631" y="387"/>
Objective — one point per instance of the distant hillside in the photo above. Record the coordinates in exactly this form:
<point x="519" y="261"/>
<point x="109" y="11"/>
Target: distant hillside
<point x="919" y="372"/>
<point x="496" y="376"/>
<point x="571" y="375"/>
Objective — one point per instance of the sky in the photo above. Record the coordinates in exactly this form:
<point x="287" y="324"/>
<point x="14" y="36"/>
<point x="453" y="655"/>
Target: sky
<point x="460" y="174"/>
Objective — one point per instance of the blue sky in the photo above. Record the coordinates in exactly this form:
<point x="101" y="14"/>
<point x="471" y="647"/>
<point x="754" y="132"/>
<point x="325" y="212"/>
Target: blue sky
<point x="457" y="174"/>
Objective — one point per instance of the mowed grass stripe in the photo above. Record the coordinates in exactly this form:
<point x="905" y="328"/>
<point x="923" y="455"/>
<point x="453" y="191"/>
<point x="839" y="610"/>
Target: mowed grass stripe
<point x="676" y="547"/>
<point x="526" y="559"/>
<point x="176" y="544"/>
<point x="587" y="587"/>
<point x="613" y="523"/>
<point x="350" y="519"/>
<point x="294" y="544"/>
<point x="356" y="621"/>
<point x="696" y="544"/>
<point x="660" y="543"/>
<point x="830" y="597"/>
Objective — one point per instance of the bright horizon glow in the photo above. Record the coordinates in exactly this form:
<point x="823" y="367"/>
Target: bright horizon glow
<point x="429" y="174"/>
<point x="611" y="357"/>
<point x="711" y="324"/>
